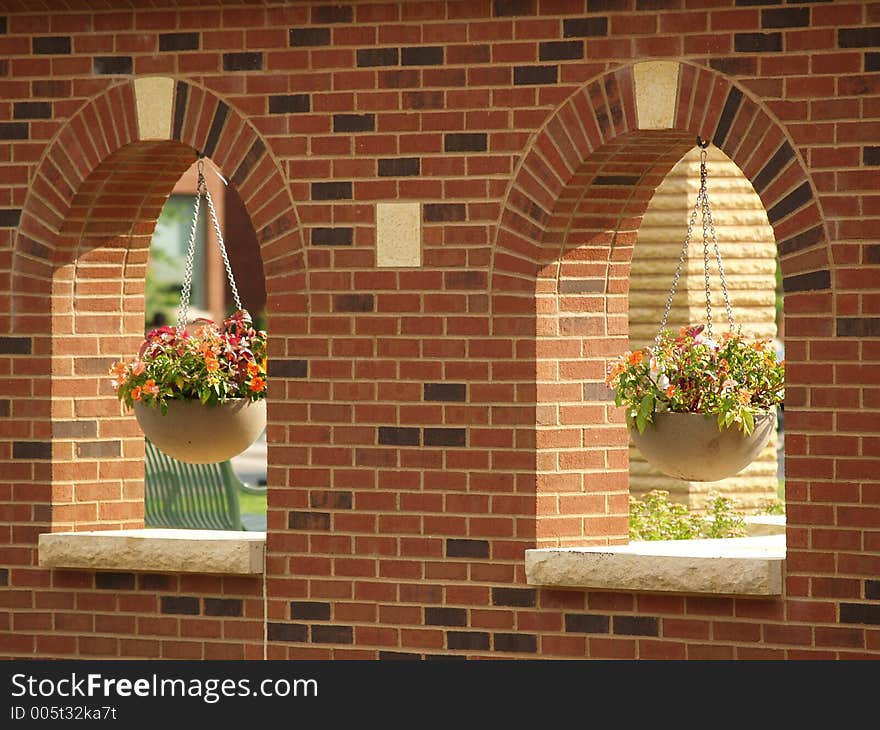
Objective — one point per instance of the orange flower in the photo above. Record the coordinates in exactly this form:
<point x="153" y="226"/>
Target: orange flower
<point x="635" y="358"/>
<point x="136" y="393"/>
<point x="138" y="368"/>
<point x="258" y="385"/>
<point x="744" y="396"/>
<point x="211" y="364"/>
<point x="150" y="387"/>
<point x="670" y="391"/>
<point x="118" y="369"/>
<point x="253" y="369"/>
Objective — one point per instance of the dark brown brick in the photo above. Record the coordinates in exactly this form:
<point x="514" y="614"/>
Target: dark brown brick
<point x="290" y="104"/>
<point x="584" y="27"/>
<point x="658" y="4"/>
<point x="635" y="625"/>
<point x="616" y="180"/>
<point x="871" y="156"/>
<point x="533" y="75"/>
<point x="5" y="408"/>
<point x="399" y="436"/>
<point x="465" y="548"/>
<point x="4" y="576"/>
<point x="773" y="167"/>
<point x="370" y="57"/>
<point x="422" y="56"/>
<point x="594" y="392"/>
<point x="439" y="616"/>
<point x="796" y="199"/>
<point x="216" y="128"/>
<point x="308" y="521"/>
<point x="581" y="286"/>
<point x="114" y="581"/>
<point x="50" y="45"/>
<point x="331" y="191"/>
<point x="331" y="499"/>
<point x="185" y="605"/>
<point x="812" y="281"/>
<point x="735" y="65"/>
<point x="324" y="634"/>
<point x="872" y="61"/>
<point x="14" y="130"/>
<point x="332" y="236"/>
<point x="560" y="50"/>
<point x="98" y="449"/>
<point x="452" y="392"/>
<point x="9" y="217"/>
<point x="2" y="25"/>
<point x="872" y="589"/>
<point x="859" y="613"/>
<point x="15" y="345"/>
<point x="112" y="65"/>
<point x="288" y="368"/>
<point x="247" y="61"/>
<point x="519" y="597"/>
<point x="757" y="42"/>
<point x="32" y="110"/>
<point x="858" y="37"/>
<point x="310" y="610"/>
<point x="332" y="14"/>
<point x="287" y="632"/>
<point x="512" y="8"/>
<point x="467" y="640"/>
<point x="810" y="237"/>
<point x="74" y="429"/>
<point x="872" y="254"/>
<point x="353" y="303"/>
<point x="445" y="437"/>
<point x="181" y="92"/>
<point x="728" y="112"/>
<point x="785" y="18"/>
<point x="223" y="607"/>
<point x="32" y="450"/>
<point x="399" y="167"/>
<point x="587" y="623"/>
<point x="309" y="37"/>
<point x="178" y="42"/>
<point x="444" y="212"/>
<point x="354" y="122"/>
<point x="858" y="326"/>
<point x="398" y="656"/>
<point x="518" y="643"/>
<point x="466" y="142"/>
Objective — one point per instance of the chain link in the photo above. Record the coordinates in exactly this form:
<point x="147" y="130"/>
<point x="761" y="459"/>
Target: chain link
<point x="703" y="206"/>
<point x="186" y="288"/>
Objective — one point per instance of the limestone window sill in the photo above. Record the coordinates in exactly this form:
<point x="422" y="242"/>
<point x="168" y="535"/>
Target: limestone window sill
<point x="739" y="566"/>
<point x="218" y="552"/>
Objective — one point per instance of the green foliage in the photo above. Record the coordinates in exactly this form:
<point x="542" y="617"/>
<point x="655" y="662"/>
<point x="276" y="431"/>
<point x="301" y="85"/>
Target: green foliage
<point x="733" y="380"/>
<point x="211" y="364"/>
<point x="772" y="507"/>
<point x="657" y="518"/>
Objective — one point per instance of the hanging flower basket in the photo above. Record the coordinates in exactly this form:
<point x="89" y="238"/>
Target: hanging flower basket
<point x="700" y="409"/>
<point x="198" y="434"/>
<point x="198" y="390"/>
<point x="690" y="446"/>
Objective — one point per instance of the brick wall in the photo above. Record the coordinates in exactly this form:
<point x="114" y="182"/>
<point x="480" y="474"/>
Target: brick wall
<point x="427" y="425"/>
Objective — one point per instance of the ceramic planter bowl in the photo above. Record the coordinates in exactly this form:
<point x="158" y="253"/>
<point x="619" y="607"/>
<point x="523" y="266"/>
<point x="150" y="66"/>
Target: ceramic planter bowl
<point x="689" y="446"/>
<point x="199" y="434"/>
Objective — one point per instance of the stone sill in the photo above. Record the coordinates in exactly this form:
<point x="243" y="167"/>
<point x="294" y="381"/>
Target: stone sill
<point x="219" y="552"/>
<point x="739" y="566"/>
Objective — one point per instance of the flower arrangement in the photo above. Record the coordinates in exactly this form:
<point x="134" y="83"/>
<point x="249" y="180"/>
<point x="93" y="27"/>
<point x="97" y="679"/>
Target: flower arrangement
<point x="211" y="364"/>
<point x="734" y="379"/>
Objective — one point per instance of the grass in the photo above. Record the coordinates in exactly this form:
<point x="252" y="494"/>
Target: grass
<point x="252" y="504"/>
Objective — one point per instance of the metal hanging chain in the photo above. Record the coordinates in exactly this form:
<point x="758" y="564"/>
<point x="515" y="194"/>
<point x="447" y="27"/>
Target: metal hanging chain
<point x="701" y="205"/>
<point x="186" y="289"/>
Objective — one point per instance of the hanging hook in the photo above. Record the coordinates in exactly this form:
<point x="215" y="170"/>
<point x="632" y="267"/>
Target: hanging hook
<point x="702" y="143"/>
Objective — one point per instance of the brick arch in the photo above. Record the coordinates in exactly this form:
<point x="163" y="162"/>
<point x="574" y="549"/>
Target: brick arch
<point x="595" y="134"/>
<point x="78" y="268"/>
<point x="560" y="273"/>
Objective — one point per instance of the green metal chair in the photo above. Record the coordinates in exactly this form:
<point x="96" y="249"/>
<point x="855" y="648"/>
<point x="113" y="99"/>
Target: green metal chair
<point x="195" y="496"/>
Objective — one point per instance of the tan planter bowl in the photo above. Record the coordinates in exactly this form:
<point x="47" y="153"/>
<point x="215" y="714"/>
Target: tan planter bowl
<point x="689" y="446"/>
<point x="199" y="434"/>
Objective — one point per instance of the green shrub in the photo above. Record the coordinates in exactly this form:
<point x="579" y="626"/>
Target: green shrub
<point x="655" y="517"/>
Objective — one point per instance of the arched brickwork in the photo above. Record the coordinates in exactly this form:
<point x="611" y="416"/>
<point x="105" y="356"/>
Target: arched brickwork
<point x="84" y="236"/>
<point x="562" y="257"/>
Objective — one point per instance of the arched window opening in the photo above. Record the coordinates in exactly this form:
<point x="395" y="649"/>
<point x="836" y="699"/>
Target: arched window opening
<point x="749" y="254"/>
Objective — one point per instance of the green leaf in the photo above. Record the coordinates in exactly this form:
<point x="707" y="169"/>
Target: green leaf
<point x="646" y="408"/>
